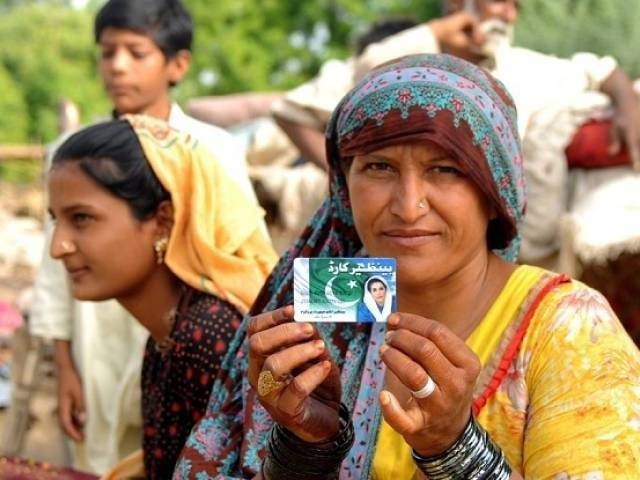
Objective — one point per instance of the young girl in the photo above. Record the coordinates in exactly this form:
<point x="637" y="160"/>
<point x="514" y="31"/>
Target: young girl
<point x="143" y="215"/>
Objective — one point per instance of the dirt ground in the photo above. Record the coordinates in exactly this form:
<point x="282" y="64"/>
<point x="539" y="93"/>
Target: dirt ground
<point x="43" y="441"/>
<point x="21" y="208"/>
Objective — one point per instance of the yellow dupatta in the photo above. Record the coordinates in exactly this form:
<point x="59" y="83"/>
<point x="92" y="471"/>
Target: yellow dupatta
<point x="392" y="458"/>
<point x="215" y="245"/>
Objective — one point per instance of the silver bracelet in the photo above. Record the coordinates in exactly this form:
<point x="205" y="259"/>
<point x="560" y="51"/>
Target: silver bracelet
<point x="473" y="456"/>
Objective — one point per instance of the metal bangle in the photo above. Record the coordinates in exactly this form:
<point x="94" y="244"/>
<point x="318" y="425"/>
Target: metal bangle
<point x="473" y="456"/>
<point x="290" y="458"/>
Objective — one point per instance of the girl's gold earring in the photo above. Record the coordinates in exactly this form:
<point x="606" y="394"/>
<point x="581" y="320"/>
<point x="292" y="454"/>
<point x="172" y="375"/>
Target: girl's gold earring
<point x="160" y="247"/>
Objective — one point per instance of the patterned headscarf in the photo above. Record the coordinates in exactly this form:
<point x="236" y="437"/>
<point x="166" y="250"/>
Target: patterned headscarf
<point x="441" y="98"/>
<point x="227" y="255"/>
<point x="420" y="97"/>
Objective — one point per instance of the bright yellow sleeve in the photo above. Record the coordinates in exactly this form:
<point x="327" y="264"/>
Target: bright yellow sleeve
<point x="583" y="382"/>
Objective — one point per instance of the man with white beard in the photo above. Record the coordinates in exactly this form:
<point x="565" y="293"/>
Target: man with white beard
<point x="481" y="31"/>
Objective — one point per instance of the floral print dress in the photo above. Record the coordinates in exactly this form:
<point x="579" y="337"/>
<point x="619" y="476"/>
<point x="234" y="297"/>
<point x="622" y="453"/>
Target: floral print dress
<point x="176" y="384"/>
<point x="559" y="392"/>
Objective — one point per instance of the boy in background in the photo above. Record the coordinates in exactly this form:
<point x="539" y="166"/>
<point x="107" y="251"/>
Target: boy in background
<point x="145" y="50"/>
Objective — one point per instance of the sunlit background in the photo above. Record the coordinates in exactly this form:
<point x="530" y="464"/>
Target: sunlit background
<point x="47" y="50"/>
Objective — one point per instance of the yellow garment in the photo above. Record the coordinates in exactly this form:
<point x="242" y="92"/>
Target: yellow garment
<point x="545" y="426"/>
<point x="215" y="245"/>
<point x="131" y="467"/>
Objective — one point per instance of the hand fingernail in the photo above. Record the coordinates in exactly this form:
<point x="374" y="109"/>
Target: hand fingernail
<point x="393" y="320"/>
<point x="384" y="348"/>
<point x="307" y="329"/>
<point x="319" y="344"/>
<point x="385" y="398"/>
<point x="388" y="336"/>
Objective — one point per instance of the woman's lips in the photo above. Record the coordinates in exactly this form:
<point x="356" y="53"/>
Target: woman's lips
<point x="410" y="238"/>
<point x="76" y="273"/>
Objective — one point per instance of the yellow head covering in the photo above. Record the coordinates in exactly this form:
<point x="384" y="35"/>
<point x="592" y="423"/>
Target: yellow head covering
<point x="216" y="245"/>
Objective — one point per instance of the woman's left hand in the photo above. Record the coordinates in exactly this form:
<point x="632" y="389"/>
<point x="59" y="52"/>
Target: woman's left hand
<point x="418" y="348"/>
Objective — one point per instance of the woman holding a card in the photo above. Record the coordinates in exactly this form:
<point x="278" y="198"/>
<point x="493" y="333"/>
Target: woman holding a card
<point x="488" y="370"/>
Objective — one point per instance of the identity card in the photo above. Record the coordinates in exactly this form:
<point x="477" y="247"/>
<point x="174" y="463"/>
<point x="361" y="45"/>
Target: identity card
<point x="344" y="289"/>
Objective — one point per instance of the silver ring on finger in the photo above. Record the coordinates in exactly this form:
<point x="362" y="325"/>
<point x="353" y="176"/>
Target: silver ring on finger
<point x="428" y="388"/>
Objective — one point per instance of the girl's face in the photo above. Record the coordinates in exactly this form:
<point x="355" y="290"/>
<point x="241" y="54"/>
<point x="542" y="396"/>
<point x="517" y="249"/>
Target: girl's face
<point x="106" y="251"/>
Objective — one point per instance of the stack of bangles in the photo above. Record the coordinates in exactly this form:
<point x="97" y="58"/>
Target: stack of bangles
<point x="289" y="457"/>
<point x="472" y="457"/>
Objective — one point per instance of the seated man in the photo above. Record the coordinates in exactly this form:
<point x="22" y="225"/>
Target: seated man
<point x="481" y="31"/>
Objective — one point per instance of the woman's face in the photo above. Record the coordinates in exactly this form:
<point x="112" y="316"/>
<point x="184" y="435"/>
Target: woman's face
<point x="414" y="203"/>
<point x="106" y="251"/>
<point x="378" y="292"/>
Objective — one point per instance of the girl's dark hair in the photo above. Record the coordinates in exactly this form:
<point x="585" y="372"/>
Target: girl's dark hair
<point x="166" y="22"/>
<point x="111" y="155"/>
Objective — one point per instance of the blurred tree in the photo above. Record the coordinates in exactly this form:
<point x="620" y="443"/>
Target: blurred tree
<point x="13" y="113"/>
<point x="276" y="44"/>
<point x="7" y="4"/>
<point x="563" y="27"/>
<point x="48" y="52"/>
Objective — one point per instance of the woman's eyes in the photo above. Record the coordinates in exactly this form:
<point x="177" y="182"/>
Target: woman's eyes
<point x="445" y="170"/>
<point x="429" y="170"/>
<point x="81" y="219"/>
<point x="378" y="166"/>
<point x="435" y="171"/>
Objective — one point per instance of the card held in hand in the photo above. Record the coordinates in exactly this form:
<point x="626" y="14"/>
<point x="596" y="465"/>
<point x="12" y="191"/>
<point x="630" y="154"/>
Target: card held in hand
<point x="344" y="289"/>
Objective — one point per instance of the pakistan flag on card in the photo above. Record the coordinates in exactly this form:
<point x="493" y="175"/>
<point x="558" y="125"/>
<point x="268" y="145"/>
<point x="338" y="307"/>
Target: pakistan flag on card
<point x="344" y="289"/>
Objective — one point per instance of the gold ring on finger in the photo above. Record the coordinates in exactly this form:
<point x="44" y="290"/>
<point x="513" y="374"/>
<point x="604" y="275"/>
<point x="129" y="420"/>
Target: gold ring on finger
<point x="267" y="383"/>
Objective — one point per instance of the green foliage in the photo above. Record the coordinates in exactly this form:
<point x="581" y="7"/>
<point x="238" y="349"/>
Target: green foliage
<point x="13" y="113"/>
<point x="22" y="171"/>
<point x="276" y="44"/>
<point x="563" y="27"/>
<point x="48" y="52"/>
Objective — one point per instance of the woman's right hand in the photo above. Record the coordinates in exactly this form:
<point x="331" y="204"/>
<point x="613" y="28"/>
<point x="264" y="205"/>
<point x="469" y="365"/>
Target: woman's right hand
<point x="308" y="400"/>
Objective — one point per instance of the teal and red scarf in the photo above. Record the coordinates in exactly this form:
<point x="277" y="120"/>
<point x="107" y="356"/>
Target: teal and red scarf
<point x="420" y="97"/>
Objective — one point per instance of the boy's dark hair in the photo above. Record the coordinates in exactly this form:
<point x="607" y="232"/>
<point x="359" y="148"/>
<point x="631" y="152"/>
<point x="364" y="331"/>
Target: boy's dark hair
<point x="167" y="22"/>
<point x="381" y="30"/>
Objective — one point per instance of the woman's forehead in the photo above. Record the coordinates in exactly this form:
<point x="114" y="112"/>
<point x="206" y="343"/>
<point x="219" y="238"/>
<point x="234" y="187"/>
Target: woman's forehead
<point x="68" y="172"/>
<point x="68" y="184"/>
<point x="423" y="150"/>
